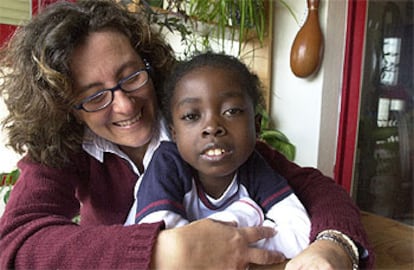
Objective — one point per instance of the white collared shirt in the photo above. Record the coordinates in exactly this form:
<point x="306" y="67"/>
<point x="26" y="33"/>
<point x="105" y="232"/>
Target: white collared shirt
<point x="96" y="146"/>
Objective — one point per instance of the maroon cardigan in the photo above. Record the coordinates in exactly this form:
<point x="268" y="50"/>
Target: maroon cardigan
<point x="36" y="231"/>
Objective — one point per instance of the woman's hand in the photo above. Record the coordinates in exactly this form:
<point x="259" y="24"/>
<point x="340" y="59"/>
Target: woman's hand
<point x="209" y="244"/>
<point x="321" y="255"/>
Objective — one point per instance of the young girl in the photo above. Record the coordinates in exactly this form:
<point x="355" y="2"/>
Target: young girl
<point x="213" y="169"/>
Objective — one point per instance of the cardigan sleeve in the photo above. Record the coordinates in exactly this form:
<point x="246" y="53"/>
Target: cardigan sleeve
<point x="328" y="204"/>
<point x="37" y="232"/>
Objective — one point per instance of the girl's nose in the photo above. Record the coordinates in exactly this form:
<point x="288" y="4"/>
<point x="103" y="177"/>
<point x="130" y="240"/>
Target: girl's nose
<point x="213" y="128"/>
<point x="123" y="102"/>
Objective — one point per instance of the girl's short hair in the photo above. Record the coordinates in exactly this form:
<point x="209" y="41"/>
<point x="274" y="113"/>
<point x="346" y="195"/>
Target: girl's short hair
<point x="247" y="79"/>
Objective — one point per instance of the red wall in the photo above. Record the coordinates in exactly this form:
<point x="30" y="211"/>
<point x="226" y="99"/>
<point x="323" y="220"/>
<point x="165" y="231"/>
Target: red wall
<point x="7" y="30"/>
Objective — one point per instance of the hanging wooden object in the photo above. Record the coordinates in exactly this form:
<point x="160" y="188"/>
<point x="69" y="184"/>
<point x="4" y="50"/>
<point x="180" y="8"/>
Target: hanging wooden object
<point x="307" y="49"/>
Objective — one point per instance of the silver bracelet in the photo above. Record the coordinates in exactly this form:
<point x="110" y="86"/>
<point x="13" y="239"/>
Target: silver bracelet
<point x="344" y="241"/>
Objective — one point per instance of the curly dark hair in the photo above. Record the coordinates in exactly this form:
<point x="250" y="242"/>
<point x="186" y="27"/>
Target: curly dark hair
<point x="35" y="79"/>
<point x="247" y="79"/>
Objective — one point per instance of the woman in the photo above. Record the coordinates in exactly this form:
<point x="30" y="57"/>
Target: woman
<point x="81" y="91"/>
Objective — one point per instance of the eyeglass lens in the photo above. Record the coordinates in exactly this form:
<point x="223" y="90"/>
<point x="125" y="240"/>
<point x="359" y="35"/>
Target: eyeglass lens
<point x="105" y="97"/>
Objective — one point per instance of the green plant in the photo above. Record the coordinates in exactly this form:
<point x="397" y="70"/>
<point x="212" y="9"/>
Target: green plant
<point x="236" y="18"/>
<point x="202" y="24"/>
<point x="275" y="137"/>
<point x="205" y="23"/>
<point x="7" y="182"/>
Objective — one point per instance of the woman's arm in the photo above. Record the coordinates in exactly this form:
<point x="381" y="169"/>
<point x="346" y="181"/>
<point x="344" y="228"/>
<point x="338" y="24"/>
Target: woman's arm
<point x="37" y="232"/>
<point x="328" y="204"/>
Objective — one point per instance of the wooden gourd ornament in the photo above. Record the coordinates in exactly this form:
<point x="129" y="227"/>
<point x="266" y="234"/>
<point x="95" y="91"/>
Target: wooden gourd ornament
<point x="307" y="48"/>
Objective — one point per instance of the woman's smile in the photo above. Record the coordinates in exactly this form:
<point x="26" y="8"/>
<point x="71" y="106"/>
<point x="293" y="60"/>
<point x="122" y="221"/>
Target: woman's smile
<point x="129" y="122"/>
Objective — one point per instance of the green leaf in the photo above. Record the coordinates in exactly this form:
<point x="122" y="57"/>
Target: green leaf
<point x="280" y="142"/>
<point x="6" y="196"/>
<point x="7" y="182"/>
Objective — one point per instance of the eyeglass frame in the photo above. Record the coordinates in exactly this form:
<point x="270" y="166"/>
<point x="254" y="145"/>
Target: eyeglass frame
<point x="118" y="86"/>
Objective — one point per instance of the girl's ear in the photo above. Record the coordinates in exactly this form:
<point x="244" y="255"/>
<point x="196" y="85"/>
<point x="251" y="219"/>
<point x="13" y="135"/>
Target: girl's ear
<point x="172" y="132"/>
<point x="258" y="123"/>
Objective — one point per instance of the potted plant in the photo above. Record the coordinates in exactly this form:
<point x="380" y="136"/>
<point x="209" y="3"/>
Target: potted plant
<point x="203" y="22"/>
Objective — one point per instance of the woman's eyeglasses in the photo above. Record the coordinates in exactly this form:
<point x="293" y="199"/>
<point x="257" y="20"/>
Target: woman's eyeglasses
<point x="102" y="99"/>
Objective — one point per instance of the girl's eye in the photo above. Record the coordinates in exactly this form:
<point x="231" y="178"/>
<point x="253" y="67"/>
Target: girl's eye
<point x="190" y="117"/>
<point x="233" y="111"/>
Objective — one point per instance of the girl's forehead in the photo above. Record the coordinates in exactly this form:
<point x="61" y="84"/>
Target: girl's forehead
<point x="210" y="75"/>
<point x="207" y="83"/>
<point x="211" y="72"/>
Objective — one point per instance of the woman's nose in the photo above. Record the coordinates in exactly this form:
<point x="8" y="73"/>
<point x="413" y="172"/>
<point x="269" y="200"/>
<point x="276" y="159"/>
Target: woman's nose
<point x="123" y="102"/>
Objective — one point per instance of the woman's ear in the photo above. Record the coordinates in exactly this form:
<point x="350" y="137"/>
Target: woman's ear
<point x="77" y="116"/>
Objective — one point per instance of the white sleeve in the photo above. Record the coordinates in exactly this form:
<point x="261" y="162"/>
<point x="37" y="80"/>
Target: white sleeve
<point x="292" y="224"/>
<point x="130" y="220"/>
<point x="170" y="218"/>
<point x="245" y="212"/>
